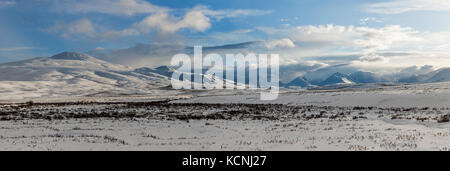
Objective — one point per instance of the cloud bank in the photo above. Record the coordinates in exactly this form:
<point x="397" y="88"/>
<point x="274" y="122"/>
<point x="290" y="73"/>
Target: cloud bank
<point x="402" y="6"/>
<point x="158" y="19"/>
<point x="113" y="7"/>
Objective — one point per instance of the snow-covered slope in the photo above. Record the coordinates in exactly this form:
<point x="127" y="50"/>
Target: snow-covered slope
<point x="442" y="75"/>
<point x="156" y="54"/>
<point x="74" y="74"/>
<point x="162" y="70"/>
<point x="298" y="82"/>
<point x="366" y="77"/>
<point x="337" y="79"/>
<point x="71" y="74"/>
<point x="63" y="66"/>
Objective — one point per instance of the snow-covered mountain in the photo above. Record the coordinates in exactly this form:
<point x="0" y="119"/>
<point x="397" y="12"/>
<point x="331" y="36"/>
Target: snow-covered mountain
<point x="337" y="79"/>
<point x="154" y="55"/>
<point x="72" y="67"/>
<point x="298" y="82"/>
<point x="162" y="70"/>
<point x="360" y="77"/>
<point x="442" y="75"/>
<point x="168" y="72"/>
<point x="71" y="73"/>
<point x="366" y="77"/>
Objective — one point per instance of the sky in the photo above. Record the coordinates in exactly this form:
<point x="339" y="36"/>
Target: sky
<point x="368" y="34"/>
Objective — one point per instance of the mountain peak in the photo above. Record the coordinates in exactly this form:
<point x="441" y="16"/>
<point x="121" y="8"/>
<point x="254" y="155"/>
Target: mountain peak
<point x="338" y="74"/>
<point x="164" y="68"/>
<point x="443" y="75"/>
<point x="366" y="77"/>
<point x="298" y="82"/>
<point x="71" y="56"/>
<point x="337" y="78"/>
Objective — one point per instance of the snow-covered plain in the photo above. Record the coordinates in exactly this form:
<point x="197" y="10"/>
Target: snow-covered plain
<point x="144" y="134"/>
<point x="406" y="117"/>
<point x="414" y="95"/>
<point x="223" y="127"/>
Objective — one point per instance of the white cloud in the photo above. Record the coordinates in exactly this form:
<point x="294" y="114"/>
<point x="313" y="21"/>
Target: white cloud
<point x="367" y="20"/>
<point x="324" y="34"/>
<point x="314" y="40"/>
<point x="375" y="49"/>
<point x="7" y="3"/>
<point x="99" y="48"/>
<point x="82" y="27"/>
<point x="369" y="45"/>
<point x="161" y="22"/>
<point x="165" y="23"/>
<point x="114" y="7"/>
<point x="372" y="40"/>
<point x="230" y="13"/>
<point x="402" y="6"/>
<point x="112" y="34"/>
<point x="12" y="49"/>
<point x="196" y="19"/>
<point x="282" y="43"/>
<point x="160" y="19"/>
<point x="243" y="31"/>
<point x="237" y="12"/>
<point x="398" y="61"/>
<point x="133" y="7"/>
<point x="217" y="38"/>
<point x="370" y="58"/>
<point x="345" y="38"/>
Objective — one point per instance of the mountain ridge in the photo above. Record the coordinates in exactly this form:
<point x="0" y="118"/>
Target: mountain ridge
<point x="69" y="66"/>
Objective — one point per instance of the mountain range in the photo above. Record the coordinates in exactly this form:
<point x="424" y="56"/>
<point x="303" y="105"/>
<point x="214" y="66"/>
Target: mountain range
<point x="74" y="74"/>
<point x="71" y="73"/>
<point x="360" y="77"/>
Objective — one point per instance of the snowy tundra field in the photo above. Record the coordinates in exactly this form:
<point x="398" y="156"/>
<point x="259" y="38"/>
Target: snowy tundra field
<point x="396" y="117"/>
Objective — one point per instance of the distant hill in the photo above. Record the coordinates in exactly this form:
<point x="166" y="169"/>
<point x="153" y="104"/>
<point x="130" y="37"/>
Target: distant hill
<point x="337" y="78"/>
<point x="71" y="73"/>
